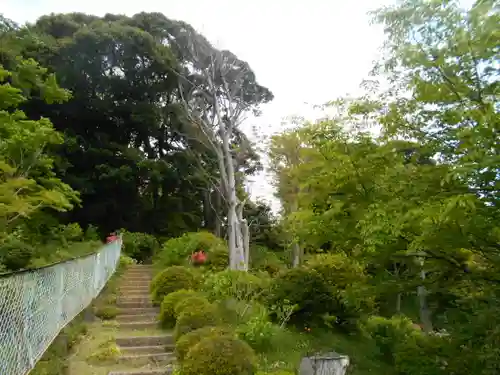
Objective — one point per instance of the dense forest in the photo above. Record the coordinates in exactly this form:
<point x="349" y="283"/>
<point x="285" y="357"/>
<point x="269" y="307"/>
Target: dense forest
<point x="116" y="146"/>
<point x="389" y="227"/>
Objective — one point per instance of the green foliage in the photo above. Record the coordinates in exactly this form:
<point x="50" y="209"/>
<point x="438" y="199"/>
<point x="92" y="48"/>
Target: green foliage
<point x="190" y="339"/>
<point x="307" y="290"/>
<point x="167" y="309"/>
<point x="140" y="246"/>
<point x="106" y="352"/>
<point x="264" y="259"/>
<point x="349" y="283"/>
<point x="231" y="284"/>
<point x="191" y="303"/>
<point x="421" y="354"/>
<point x="125" y="261"/>
<point x="15" y="254"/>
<point x="106" y="312"/>
<point x="190" y="320"/>
<point x="219" y="355"/>
<point x="171" y="279"/>
<point x="177" y="251"/>
<point x="389" y="334"/>
<point x="259" y="332"/>
<point x="27" y="180"/>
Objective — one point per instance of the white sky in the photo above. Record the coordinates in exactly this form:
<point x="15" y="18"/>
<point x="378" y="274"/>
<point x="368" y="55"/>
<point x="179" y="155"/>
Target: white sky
<point x="306" y="52"/>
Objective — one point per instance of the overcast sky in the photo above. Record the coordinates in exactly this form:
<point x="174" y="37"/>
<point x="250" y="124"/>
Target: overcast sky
<point x="306" y="51"/>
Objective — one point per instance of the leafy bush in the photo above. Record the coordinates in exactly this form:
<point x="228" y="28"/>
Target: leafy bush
<point x="177" y="251"/>
<point x="16" y="254"/>
<point x="125" y="261"/>
<point x="140" y="246"/>
<point x="190" y="320"/>
<point x="192" y="338"/>
<point x="106" y="312"/>
<point x="219" y="355"/>
<point x="264" y="259"/>
<point x="190" y="304"/>
<point x="232" y="284"/>
<point x="169" y="303"/>
<point x="337" y="268"/>
<point x="259" y="332"/>
<point x="388" y="334"/>
<point x="107" y="351"/>
<point x="307" y="290"/>
<point x="349" y="284"/>
<point x="421" y="354"/>
<point x="172" y="279"/>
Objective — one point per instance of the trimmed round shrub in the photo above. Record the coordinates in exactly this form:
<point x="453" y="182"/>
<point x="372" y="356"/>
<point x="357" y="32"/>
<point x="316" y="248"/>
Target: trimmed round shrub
<point x="231" y="284"/>
<point x="167" y="309"/>
<point x="171" y="279"/>
<point x="190" y="320"/>
<point x="190" y="304"/>
<point x="178" y="251"/>
<point x="192" y="338"/>
<point x="220" y="355"/>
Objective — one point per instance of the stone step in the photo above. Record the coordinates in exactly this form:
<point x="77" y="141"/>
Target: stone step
<point x="127" y="295"/>
<point x="144" y="287"/>
<point x="129" y="298"/>
<point x="134" y="341"/>
<point x="136" y="280"/>
<point x="138" y="311"/>
<point x="135" y="303"/>
<point x="135" y="288"/>
<point x="144" y="359"/>
<point x="137" y="275"/>
<point x="147" y="349"/>
<point x="164" y="371"/>
<point x="137" y="317"/>
<point x="139" y="325"/>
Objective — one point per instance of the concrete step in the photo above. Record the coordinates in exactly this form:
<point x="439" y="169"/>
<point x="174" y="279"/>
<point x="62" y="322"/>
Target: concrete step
<point x="123" y="295"/>
<point x="147" y="349"/>
<point x="134" y="280"/>
<point x="124" y="303"/>
<point x="127" y="318"/>
<point x="141" y="288"/>
<point x="144" y="359"/>
<point x="139" y="311"/>
<point x="134" y="341"/>
<point x="163" y="371"/>
<point x="139" y="325"/>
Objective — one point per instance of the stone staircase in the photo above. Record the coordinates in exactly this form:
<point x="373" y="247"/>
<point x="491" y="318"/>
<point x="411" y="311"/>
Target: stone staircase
<point x="144" y="348"/>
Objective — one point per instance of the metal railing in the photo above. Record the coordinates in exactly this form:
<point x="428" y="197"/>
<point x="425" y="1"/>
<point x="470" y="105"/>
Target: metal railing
<point x="35" y="305"/>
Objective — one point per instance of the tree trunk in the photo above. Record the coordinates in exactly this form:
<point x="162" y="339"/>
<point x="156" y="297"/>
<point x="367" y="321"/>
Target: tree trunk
<point x="217" y="201"/>
<point x="237" y="259"/>
<point x="296" y="249"/>
<point x="425" y="313"/>
<point x="398" y="295"/>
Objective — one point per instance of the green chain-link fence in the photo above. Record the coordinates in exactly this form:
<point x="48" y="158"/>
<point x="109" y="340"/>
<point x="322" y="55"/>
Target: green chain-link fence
<point x="36" y="305"/>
